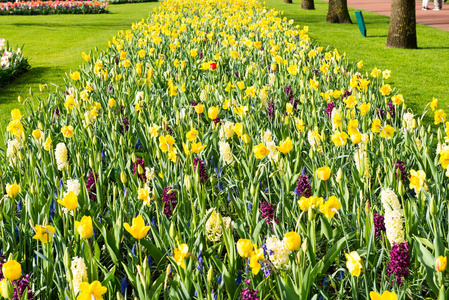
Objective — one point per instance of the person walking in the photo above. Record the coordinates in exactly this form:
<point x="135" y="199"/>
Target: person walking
<point x="438" y="4"/>
<point x="425" y="5"/>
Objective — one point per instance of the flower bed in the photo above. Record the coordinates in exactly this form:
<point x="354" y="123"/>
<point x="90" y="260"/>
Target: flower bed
<point x="214" y="152"/>
<point x="129" y="1"/>
<point x="53" y="7"/>
<point x="12" y="62"/>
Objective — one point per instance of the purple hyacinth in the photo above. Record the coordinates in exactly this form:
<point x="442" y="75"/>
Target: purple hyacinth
<point x="170" y="201"/>
<point x="247" y="293"/>
<point x="391" y="109"/>
<point x="288" y="91"/>
<point x="379" y="226"/>
<point x="91" y="185"/>
<point x="399" y="170"/>
<point x="55" y="112"/>
<point x="202" y="172"/>
<point x="381" y="113"/>
<point x="271" y="110"/>
<point x="330" y="107"/>
<point x="168" y="129"/>
<point x="347" y="93"/>
<point x="141" y="162"/>
<point x="303" y="186"/>
<point x="193" y="103"/>
<point x="216" y="120"/>
<point x="268" y="212"/>
<point x="294" y="102"/>
<point x="20" y="285"/>
<point x="315" y="72"/>
<point x="125" y="125"/>
<point x="399" y="262"/>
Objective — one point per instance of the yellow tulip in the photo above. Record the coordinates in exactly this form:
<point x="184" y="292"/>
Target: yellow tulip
<point x="12" y="270"/>
<point x="385" y="296"/>
<point x="212" y="113"/>
<point x="323" y="173"/>
<point x="260" y="151"/>
<point x="12" y="190"/>
<point x="6" y="289"/>
<point x="292" y="241"/>
<point x="285" y="146"/>
<point x="37" y="134"/>
<point x="246" y="138"/>
<point x="356" y="138"/>
<point x="138" y="229"/>
<point x="354" y="263"/>
<point x="244" y="247"/>
<point x="199" y="108"/>
<point x="441" y="263"/>
<point x="70" y="201"/>
<point x="84" y="227"/>
<point x="44" y="233"/>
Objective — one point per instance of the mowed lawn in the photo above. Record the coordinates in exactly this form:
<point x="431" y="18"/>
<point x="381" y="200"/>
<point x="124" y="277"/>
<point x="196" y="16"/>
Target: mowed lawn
<point x="418" y="74"/>
<point x="53" y="44"/>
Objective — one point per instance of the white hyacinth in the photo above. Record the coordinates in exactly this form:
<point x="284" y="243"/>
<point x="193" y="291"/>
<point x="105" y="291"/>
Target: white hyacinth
<point x="79" y="272"/>
<point x="278" y="253"/>
<point x="13" y="148"/>
<point x="61" y="156"/>
<point x="227" y="130"/>
<point x="225" y="152"/>
<point x="73" y="185"/>
<point x="393" y="216"/>
<point x="213" y="227"/>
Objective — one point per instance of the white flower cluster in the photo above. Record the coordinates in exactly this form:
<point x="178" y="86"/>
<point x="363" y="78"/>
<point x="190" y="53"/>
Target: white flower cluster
<point x="73" y="185"/>
<point x="13" y="148"/>
<point x="79" y="272"/>
<point x="149" y="174"/>
<point x="213" y="227"/>
<point x="410" y="122"/>
<point x="225" y="152"/>
<point x="314" y="140"/>
<point x="278" y="253"/>
<point x="227" y="130"/>
<point x="61" y="156"/>
<point x="393" y="216"/>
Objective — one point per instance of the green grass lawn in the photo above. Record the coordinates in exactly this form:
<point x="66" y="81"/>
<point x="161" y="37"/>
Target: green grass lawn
<point x="418" y="74"/>
<point x="53" y="45"/>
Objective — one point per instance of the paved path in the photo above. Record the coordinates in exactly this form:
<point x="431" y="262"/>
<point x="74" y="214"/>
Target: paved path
<point x="434" y="18"/>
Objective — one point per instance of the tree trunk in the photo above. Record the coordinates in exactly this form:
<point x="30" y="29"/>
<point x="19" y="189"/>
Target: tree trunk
<point x="402" y="31"/>
<point x="288" y="1"/>
<point x="307" y="4"/>
<point x="338" y="12"/>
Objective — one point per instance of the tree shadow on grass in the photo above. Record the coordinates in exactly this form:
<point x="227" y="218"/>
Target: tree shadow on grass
<point x="22" y="84"/>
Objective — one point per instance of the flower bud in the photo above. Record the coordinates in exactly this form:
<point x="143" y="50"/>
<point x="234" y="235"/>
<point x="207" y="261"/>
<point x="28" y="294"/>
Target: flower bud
<point x="187" y="183"/>
<point x="121" y="141"/>
<point x="441" y="264"/>
<point x="433" y="209"/>
<point x="401" y="188"/>
<point x="91" y="162"/>
<point x="94" y="141"/>
<point x="367" y="206"/>
<point x="304" y="246"/>
<point x="6" y="289"/>
<point x="140" y="169"/>
<point x="339" y="175"/>
<point x="123" y="177"/>
<point x="171" y="231"/>
<point x="210" y="275"/>
<point x="133" y="157"/>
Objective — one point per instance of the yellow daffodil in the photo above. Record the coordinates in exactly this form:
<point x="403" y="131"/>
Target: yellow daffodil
<point x="244" y="247"/>
<point x="144" y="195"/>
<point x="329" y="208"/>
<point x="260" y="151"/>
<point x="417" y="180"/>
<point x="376" y="125"/>
<point x="70" y="201"/>
<point x="323" y="173"/>
<point x="47" y="144"/>
<point x="387" y="132"/>
<point x="385" y="89"/>
<point x="93" y="291"/>
<point x="44" y="233"/>
<point x="292" y="241"/>
<point x="75" y="76"/>
<point x="444" y="158"/>
<point x="339" y="138"/>
<point x="397" y="99"/>
<point x="434" y="103"/>
<point x="16" y="115"/>
<point x="166" y="142"/>
<point x="364" y="108"/>
<point x="138" y="229"/>
<point x="67" y="131"/>
<point x="154" y="131"/>
<point x="84" y="227"/>
<point x="285" y="146"/>
<point x="440" y="116"/>
<point x="354" y="263"/>
<point x="180" y="254"/>
<point x="255" y="257"/>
